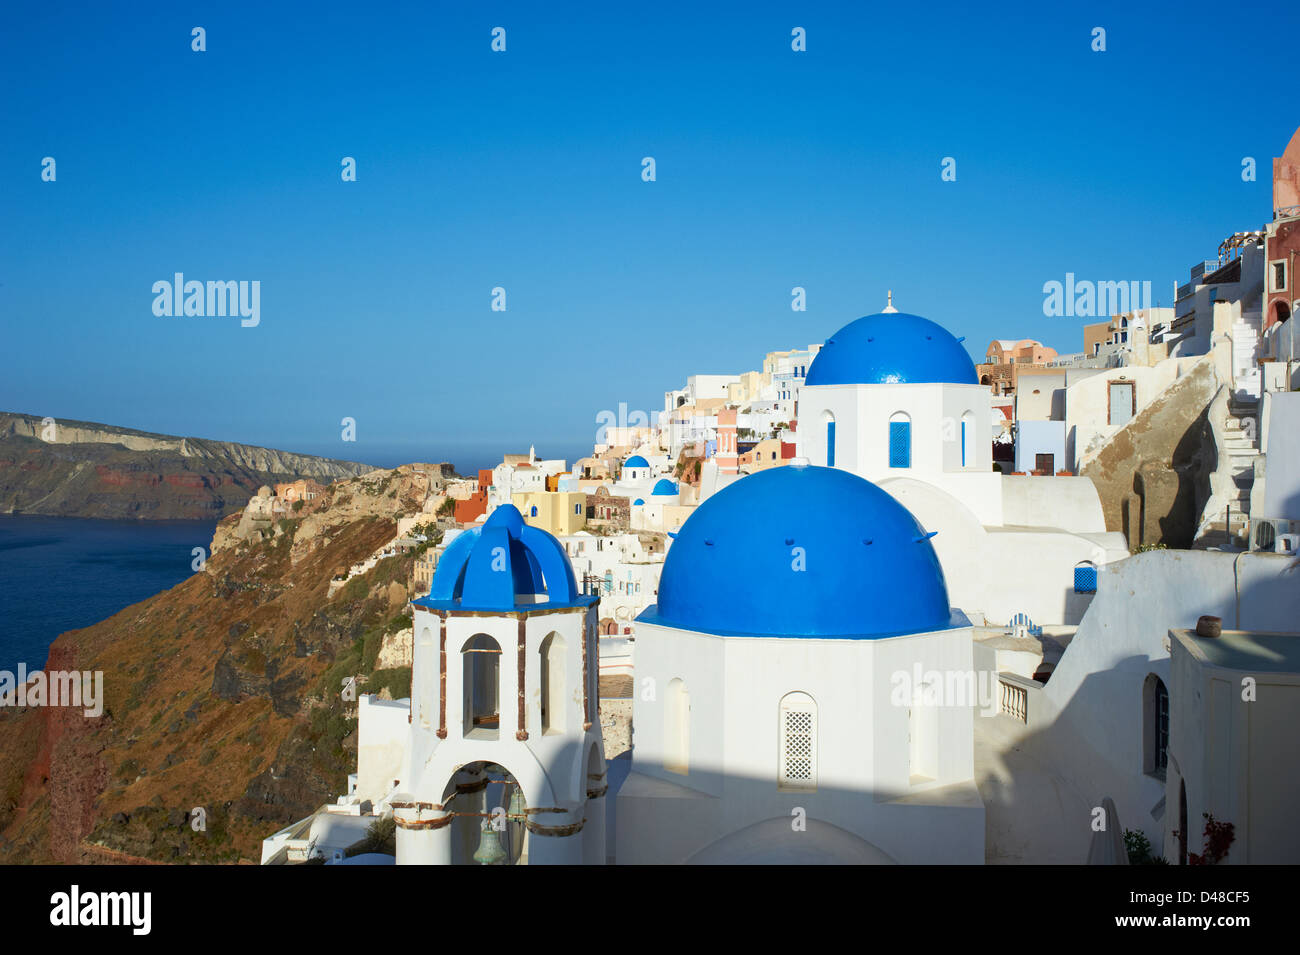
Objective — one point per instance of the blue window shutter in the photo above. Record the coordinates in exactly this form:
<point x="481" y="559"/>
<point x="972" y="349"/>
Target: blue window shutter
<point x="900" y="444"/>
<point x="534" y="514"/>
<point x="830" y="444"/>
<point x="963" y="444"/>
<point x="1085" y="580"/>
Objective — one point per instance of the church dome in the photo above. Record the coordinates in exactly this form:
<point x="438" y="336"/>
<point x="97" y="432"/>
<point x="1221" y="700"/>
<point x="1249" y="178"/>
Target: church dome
<point x="891" y="348"/>
<point x="663" y="486"/>
<point x="636" y="461"/>
<point x="504" y="564"/>
<point x="801" y="551"/>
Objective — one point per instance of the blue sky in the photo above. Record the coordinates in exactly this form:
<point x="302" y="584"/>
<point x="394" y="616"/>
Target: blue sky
<point x="522" y="170"/>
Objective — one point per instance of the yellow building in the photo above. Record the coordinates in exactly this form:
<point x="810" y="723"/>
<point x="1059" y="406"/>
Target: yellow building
<point x="558" y="512"/>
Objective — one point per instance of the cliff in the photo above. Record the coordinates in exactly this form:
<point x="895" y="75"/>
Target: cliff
<point x="81" y="469"/>
<point x="223" y="694"/>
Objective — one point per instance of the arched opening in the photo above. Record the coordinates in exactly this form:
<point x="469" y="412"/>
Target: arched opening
<point x="985" y="380"/>
<point x="481" y="667"/>
<point x="1182" y="822"/>
<point x="900" y="440"/>
<point x="552" y="678"/>
<point x="797" y="767"/>
<point x="1155" y="726"/>
<point x="829" y="421"/>
<point x="968" y="439"/>
<point x="1281" y="312"/>
<point x="677" y="728"/>
<point x="488" y="805"/>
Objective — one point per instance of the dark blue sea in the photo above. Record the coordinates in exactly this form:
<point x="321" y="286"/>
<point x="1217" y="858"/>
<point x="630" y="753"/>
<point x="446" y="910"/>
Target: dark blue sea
<point x="61" y="573"/>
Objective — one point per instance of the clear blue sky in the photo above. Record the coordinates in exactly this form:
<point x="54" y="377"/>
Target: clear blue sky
<point x="523" y="170"/>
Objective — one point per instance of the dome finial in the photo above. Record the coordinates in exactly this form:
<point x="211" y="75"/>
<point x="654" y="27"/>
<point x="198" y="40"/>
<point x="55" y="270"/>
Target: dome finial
<point x="889" y="303"/>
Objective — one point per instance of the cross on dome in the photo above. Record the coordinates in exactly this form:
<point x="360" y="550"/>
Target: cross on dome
<point x="889" y="303"/>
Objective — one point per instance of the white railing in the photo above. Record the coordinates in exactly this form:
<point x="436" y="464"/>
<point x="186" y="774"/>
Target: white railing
<point x="1014" y="700"/>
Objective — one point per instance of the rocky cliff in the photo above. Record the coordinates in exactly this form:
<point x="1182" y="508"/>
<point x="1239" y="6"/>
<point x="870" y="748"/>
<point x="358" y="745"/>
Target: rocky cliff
<point x="81" y="469"/>
<point x="224" y="714"/>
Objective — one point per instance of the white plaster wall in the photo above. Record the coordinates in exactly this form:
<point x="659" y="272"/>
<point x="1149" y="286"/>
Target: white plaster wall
<point x="1093" y="701"/>
<point x="382" y="733"/>
<point x="863" y="780"/>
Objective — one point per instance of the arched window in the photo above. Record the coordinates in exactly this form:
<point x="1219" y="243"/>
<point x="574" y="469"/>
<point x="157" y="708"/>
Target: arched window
<point x="552" y="679"/>
<point x="1085" y="577"/>
<point x="1155" y="728"/>
<point x="534" y="511"/>
<point x="797" y="769"/>
<point x="677" y="728"/>
<point x="900" y="440"/>
<point x="829" y="419"/>
<point x="481" y="667"/>
<point x="967" y="439"/>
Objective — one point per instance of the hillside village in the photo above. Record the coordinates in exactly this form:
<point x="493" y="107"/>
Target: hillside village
<point x="1091" y="540"/>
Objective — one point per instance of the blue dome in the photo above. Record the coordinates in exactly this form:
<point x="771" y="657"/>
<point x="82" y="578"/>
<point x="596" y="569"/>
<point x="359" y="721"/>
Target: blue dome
<point x="664" y="486"/>
<point x="503" y="565"/>
<point x="636" y="461"/>
<point x="637" y="501"/>
<point x="891" y="348"/>
<point x="802" y="551"/>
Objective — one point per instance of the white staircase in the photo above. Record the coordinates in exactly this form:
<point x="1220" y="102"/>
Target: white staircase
<point x="1241" y="447"/>
<point x="1246" y="376"/>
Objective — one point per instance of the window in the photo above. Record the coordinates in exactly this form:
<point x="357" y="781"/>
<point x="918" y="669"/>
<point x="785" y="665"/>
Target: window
<point x="797" y="771"/>
<point x="677" y="728"/>
<point x="900" y="441"/>
<point x="1155" y="730"/>
<point x="968" y="439"/>
<point x="830" y="443"/>
<point x="1045" y="463"/>
<point x="552" y="677"/>
<point x="534" y="511"/>
<point x="1085" y="577"/>
<point x="1277" y="274"/>
<point x="577" y="509"/>
<point x="481" y="665"/>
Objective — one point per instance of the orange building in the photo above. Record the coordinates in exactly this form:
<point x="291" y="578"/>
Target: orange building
<point x="1004" y="360"/>
<point x="475" y="506"/>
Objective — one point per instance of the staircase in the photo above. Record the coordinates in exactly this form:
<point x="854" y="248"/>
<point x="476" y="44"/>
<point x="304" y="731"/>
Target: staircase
<point x="1246" y="376"/>
<point x="1241" y="447"/>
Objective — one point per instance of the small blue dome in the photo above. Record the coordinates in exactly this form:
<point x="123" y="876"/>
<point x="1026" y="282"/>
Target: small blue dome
<point x="802" y="551"/>
<point x="637" y="501"/>
<point x="491" y="567"/>
<point x="636" y="461"/>
<point x="891" y="348"/>
<point x="664" y="486"/>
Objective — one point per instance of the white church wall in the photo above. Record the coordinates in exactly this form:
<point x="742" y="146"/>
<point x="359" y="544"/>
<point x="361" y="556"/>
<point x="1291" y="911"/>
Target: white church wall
<point x="382" y="732"/>
<point x="1094" y="700"/>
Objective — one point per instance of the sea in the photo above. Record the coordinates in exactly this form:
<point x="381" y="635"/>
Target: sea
<point x="63" y="573"/>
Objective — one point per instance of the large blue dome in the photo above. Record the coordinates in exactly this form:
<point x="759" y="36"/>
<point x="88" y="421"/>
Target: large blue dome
<point x="504" y="565"/>
<point x="636" y="461"/>
<point x="663" y="486"/>
<point x="891" y="348"/>
<point x="801" y="551"/>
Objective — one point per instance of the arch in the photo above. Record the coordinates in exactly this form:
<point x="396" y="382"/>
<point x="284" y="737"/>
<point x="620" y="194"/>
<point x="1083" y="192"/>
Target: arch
<point x="1280" y="310"/>
<point x="968" y="439"/>
<point x="776" y="841"/>
<point x="1155" y="726"/>
<point x="1182" y="822"/>
<point x="797" y="754"/>
<point x="481" y="694"/>
<point x="900" y="440"/>
<point x="551" y="674"/>
<point x="828" y="421"/>
<point x="985" y="380"/>
<point x="487" y="802"/>
<point x="677" y="728"/>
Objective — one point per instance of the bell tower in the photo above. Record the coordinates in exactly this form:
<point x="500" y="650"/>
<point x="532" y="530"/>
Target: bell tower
<point x="505" y="761"/>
